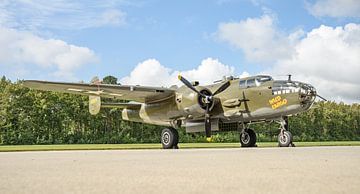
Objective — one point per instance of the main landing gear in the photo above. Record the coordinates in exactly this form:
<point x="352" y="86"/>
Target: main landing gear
<point x="285" y="138"/>
<point x="248" y="138"/>
<point x="169" y="138"/>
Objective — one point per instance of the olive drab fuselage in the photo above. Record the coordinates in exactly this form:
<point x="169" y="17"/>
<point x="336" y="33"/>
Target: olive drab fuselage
<point x="253" y="99"/>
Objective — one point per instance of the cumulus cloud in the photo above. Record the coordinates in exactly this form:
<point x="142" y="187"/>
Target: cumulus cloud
<point x="335" y="8"/>
<point x="23" y="49"/>
<point x="258" y="38"/>
<point x="150" y="72"/>
<point x="327" y="57"/>
<point x="60" y="14"/>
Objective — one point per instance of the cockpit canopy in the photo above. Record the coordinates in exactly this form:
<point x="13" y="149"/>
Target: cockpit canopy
<point x="254" y="81"/>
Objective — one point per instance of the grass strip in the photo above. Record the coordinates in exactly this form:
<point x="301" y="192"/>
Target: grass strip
<point x="13" y="148"/>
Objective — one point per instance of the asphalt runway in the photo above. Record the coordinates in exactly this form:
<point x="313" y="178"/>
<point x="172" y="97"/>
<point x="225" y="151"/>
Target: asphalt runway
<point x="253" y="170"/>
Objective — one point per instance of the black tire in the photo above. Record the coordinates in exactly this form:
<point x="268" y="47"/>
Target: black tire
<point x="285" y="140"/>
<point x="169" y="138"/>
<point x="248" y="138"/>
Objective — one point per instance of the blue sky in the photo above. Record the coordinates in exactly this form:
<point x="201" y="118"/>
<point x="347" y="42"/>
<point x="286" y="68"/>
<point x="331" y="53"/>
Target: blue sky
<point x="179" y="33"/>
<point x="76" y="40"/>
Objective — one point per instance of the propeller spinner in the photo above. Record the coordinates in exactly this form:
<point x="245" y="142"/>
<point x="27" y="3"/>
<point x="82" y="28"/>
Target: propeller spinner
<point x="208" y="99"/>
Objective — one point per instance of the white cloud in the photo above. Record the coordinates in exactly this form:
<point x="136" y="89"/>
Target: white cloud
<point x="258" y="38"/>
<point x="244" y="74"/>
<point x="151" y="72"/>
<point x="327" y="57"/>
<point x="24" y="50"/>
<point x="208" y="71"/>
<point x="335" y="8"/>
<point x="60" y="14"/>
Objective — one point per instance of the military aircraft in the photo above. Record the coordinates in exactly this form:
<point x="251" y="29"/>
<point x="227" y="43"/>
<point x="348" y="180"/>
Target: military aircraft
<point x="230" y="104"/>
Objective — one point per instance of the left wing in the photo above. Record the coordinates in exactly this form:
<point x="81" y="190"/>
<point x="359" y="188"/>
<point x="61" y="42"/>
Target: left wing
<point x="123" y="92"/>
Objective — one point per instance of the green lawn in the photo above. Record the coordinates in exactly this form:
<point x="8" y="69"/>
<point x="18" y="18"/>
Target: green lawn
<point x="158" y="146"/>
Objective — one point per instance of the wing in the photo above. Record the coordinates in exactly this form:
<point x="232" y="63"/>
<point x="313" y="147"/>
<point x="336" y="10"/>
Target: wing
<point x="123" y="92"/>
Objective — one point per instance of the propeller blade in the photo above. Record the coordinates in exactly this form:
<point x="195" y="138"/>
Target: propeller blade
<point x="207" y="124"/>
<point x="222" y="88"/>
<point x="321" y="97"/>
<point x="189" y="85"/>
<point x="207" y="127"/>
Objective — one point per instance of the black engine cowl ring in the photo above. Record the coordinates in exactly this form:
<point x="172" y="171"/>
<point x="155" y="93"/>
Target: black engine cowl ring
<point x="202" y="100"/>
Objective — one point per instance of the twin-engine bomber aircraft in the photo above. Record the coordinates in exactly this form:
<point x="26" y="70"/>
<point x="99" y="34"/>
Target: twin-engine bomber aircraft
<point x="231" y="104"/>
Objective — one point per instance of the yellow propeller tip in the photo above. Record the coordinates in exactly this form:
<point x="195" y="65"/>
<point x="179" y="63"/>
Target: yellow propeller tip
<point x="179" y="76"/>
<point x="208" y="139"/>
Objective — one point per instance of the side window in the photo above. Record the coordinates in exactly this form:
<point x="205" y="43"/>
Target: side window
<point x="243" y="84"/>
<point x="250" y="83"/>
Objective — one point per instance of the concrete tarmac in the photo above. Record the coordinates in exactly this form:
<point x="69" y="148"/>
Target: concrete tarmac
<point x="253" y="170"/>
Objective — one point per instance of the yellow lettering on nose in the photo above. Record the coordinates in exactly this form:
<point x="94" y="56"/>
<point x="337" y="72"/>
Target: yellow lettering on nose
<point x="278" y="98"/>
<point x="277" y="102"/>
<point x="284" y="102"/>
<point x="271" y="101"/>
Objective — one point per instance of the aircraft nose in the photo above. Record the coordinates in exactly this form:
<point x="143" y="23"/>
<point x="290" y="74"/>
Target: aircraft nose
<point x="307" y="94"/>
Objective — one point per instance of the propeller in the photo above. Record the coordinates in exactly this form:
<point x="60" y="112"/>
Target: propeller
<point x="208" y="100"/>
<point x="189" y="85"/>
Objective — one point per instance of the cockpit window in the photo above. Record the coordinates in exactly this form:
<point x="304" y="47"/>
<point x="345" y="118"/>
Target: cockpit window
<point x="284" y="87"/>
<point x="255" y="81"/>
<point x="284" y="84"/>
<point x="243" y="84"/>
<point x="262" y="79"/>
<point x="250" y="83"/>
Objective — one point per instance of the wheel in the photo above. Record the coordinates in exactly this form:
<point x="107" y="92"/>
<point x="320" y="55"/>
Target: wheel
<point x="285" y="140"/>
<point x="248" y="138"/>
<point x="169" y="138"/>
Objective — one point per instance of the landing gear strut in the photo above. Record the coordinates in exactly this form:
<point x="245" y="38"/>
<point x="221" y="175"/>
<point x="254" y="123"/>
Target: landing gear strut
<point x="169" y="138"/>
<point x="248" y="138"/>
<point x="285" y="138"/>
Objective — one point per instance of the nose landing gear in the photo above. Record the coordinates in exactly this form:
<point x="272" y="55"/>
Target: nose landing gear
<point x="285" y="138"/>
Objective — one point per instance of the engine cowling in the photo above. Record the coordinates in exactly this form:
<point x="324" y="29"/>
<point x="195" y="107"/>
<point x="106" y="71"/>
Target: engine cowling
<point x="202" y="101"/>
<point x="193" y="103"/>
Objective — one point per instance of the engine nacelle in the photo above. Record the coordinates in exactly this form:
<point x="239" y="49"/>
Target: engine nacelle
<point x="131" y="115"/>
<point x="193" y="103"/>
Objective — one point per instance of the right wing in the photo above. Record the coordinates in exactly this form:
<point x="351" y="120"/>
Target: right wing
<point x="124" y="92"/>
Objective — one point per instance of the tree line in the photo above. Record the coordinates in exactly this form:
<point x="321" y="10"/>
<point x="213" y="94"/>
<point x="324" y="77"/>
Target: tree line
<point x="35" y="117"/>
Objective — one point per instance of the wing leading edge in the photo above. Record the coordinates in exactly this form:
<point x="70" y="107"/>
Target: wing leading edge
<point x="124" y="92"/>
